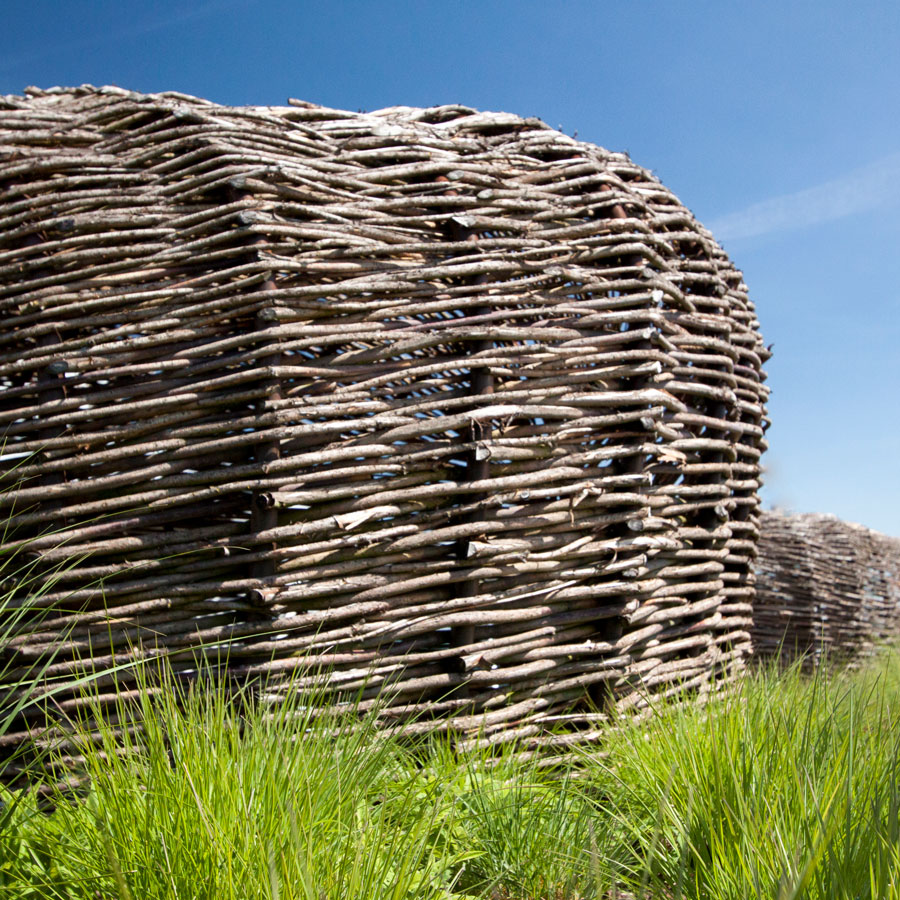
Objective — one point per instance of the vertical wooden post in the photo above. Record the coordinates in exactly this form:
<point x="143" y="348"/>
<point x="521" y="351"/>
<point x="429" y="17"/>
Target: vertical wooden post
<point x="51" y="386"/>
<point x="481" y="383"/>
<point x="263" y="516"/>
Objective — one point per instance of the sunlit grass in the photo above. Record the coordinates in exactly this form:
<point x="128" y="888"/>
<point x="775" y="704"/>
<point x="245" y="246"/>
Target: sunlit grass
<point x="787" y="787"/>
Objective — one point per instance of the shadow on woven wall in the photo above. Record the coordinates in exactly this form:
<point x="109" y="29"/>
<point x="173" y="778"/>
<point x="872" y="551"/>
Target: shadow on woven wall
<point x="435" y="400"/>
<point x="824" y="588"/>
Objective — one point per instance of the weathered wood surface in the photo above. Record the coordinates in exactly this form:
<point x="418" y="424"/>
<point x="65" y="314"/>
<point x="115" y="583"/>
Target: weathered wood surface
<point x="824" y="587"/>
<point x="440" y="400"/>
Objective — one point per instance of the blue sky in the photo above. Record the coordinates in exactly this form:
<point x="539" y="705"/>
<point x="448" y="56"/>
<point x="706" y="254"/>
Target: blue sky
<point x="775" y="122"/>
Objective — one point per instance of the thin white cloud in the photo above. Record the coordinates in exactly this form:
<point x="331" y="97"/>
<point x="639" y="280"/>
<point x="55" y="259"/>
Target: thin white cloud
<point x="138" y="29"/>
<point x="862" y="189"/>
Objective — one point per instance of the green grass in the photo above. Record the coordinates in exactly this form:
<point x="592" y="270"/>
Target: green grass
<point x="787" y="787"/>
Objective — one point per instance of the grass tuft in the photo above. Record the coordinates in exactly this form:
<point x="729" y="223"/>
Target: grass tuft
<point x="787" y="787"/>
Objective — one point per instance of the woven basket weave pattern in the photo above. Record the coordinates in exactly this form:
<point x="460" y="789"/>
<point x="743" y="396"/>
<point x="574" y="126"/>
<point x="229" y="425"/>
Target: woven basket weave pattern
<point x="435" y="399"/>
<point x="824" y="587"/>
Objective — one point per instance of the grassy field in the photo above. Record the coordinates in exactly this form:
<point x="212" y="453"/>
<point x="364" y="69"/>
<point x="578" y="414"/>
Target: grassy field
<point x="788" y="788"/>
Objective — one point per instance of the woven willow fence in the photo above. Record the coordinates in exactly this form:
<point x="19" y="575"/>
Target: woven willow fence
<point x="445" y="403"/>
<point x="824" y="586"/>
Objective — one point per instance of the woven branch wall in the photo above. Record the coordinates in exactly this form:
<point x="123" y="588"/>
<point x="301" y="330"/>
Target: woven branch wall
<point x="440" y="399"/>
<point x="824" y="586"/>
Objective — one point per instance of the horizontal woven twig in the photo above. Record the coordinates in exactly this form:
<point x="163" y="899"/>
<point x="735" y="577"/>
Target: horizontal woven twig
<point x="824" y="587"/>
<point x="440" y="400"/>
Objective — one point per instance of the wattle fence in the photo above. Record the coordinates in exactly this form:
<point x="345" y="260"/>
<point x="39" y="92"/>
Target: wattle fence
<point x="459" y="409"/>
<point x="824" y="587"/>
